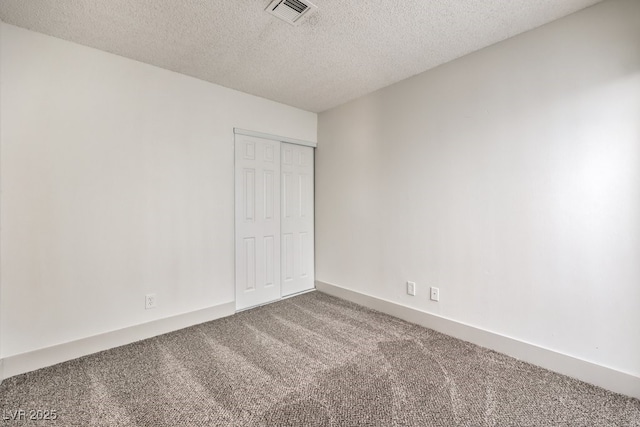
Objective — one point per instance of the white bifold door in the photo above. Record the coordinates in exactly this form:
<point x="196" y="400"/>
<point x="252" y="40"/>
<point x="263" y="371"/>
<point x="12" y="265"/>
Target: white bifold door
<point x="274" y="233"/>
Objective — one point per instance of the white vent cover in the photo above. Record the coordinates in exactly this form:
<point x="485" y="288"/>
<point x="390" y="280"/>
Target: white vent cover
<point x="291" y="11"/>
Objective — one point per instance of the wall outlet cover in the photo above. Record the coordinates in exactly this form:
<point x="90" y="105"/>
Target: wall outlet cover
<point x="150" y="301"/>
<point x="411" y="288"/>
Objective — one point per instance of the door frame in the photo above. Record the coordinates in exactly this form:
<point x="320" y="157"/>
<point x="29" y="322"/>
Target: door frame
<point x="238" y="131"/>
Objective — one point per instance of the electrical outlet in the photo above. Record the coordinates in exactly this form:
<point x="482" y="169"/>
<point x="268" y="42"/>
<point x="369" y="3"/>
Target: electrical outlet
<point x="411" y="288"/>
<point x="150" y="301"/>
<point x="435" y="294"/>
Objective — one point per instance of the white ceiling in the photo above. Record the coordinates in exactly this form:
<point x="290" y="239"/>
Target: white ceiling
<point x="345" y="50"/>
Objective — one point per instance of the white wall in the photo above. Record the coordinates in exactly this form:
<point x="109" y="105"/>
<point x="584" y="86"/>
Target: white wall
<point x="117" y="181"/>
<point x="509" y="178"/>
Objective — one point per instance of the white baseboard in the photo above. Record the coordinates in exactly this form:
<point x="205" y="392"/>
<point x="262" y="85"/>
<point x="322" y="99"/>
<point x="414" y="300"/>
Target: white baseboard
<point x="608" y="378"/>
<point x="26" y="362"/>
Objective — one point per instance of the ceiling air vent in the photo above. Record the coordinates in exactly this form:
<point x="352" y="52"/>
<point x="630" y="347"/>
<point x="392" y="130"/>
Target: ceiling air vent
<point x="291" y="11"/>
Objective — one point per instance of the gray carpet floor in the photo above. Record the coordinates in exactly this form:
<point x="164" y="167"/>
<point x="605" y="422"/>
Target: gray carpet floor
<point x="311" y="360"/>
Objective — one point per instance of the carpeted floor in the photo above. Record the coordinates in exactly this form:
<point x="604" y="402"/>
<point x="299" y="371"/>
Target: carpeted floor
<point x="312" y="360"/>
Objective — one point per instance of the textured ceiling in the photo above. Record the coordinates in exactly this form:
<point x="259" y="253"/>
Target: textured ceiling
<point x="345" y="50"/>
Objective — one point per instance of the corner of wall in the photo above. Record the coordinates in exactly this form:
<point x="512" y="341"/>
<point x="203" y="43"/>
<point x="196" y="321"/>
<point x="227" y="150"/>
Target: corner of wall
<point x="1" y="360"/>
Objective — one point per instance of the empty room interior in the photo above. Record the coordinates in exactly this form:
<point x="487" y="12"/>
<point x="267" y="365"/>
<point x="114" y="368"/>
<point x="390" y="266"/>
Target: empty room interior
<point x="292" y="212"/>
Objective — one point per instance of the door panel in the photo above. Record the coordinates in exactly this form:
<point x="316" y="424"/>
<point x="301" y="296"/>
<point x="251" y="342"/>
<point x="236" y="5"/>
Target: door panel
<point x="297" y="219"/>
<point x="257" y="170"/>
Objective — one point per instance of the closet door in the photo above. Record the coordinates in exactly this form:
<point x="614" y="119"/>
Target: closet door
<point x="257" y="216"/>
<point x="297" y="224"/>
